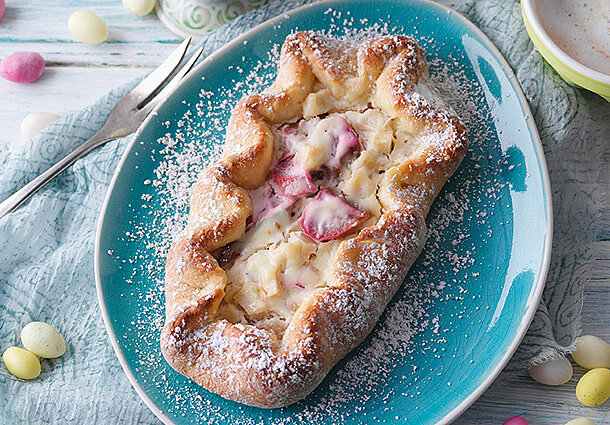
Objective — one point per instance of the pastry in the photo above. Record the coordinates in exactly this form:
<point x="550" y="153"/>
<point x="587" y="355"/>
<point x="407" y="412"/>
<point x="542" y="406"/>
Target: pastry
<point x="302" y="232"/>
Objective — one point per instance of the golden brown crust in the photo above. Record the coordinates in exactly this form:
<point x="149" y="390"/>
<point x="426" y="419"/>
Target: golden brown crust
<point x="249" y="364"/>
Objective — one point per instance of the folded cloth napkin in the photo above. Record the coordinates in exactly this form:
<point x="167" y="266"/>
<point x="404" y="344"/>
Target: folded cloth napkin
<point x="46" y="260"/>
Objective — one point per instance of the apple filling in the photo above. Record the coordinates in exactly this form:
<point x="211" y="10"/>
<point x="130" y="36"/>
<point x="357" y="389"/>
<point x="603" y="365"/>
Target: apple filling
<point x="321" y="190"/>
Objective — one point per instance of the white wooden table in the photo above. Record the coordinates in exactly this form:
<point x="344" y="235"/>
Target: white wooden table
<point x="77" y="74"/>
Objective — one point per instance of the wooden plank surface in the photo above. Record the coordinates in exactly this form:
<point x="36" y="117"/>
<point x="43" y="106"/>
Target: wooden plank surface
<point x="61" y="89"/>
<point x="42" y="26"/>
<point x="77" y="74"/>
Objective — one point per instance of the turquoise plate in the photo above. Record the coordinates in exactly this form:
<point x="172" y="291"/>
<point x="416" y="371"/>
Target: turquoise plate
<point x="467" y="301"/>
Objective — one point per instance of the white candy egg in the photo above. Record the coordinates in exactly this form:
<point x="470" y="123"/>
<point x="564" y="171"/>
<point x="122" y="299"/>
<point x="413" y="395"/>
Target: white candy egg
<point x="37" y="121"/>
<point x="43" y="340"/>
<point x="552" y="372"/>
<point x="139" y="7"/>
<point x="581" y="421"/>
<point x="592" y="352"/>
<point x="87" y="27"/>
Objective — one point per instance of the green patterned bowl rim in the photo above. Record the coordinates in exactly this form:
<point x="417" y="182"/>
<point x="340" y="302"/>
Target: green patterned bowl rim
<point x="218" y="11"/>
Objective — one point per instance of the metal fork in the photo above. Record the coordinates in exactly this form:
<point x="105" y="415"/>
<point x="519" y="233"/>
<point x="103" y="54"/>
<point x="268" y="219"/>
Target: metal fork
<point x="124" y="119"/>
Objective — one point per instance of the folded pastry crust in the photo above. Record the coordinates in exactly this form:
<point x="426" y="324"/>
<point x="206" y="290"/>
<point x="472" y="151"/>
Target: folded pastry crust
<point x="253" y="365"/>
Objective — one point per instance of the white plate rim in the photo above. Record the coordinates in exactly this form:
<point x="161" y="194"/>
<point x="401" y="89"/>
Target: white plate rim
<point x="537" y="144"/>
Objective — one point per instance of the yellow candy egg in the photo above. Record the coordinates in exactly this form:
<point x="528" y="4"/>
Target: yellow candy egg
<point x="581" y="421"/>
<point x="87" y="27"/>
<point x="21" y="363"/>
<point x="139" y="7"/>
<point x="43" y="340"/>
<point x="593" y="388"/>
<point x="591" y="352"/>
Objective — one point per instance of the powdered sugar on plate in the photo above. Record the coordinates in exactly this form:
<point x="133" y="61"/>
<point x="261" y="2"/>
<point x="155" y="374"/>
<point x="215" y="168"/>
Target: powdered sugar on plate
<point x="369" y="376"/>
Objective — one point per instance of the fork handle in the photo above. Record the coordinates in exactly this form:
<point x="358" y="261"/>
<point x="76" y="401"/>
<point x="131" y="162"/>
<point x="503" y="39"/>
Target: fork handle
<point x="19" y="197"/>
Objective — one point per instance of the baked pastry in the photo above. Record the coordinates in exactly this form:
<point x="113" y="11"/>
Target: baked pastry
<point x="302" y="232"/>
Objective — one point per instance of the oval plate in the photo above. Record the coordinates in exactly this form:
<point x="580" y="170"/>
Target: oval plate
<point x="467" y="301"/>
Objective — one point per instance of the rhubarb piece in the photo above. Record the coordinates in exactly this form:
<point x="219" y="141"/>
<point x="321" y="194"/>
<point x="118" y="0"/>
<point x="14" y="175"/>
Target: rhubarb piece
<point x="290" y="130"/>
<point x="288" y="179"/>
<point x="266" y="202"/>
<point x="328" y="217"/>
<point x="295" y="284"/>
<point x="344" y="141"/>
<point x="326" y="144"/>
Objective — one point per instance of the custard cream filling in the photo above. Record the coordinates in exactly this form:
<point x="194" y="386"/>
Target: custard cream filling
<point x="278" y="266"/>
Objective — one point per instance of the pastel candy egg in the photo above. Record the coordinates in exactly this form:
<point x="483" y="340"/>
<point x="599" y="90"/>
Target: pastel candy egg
<point x="581" y="421"/>
<point x="22" y="67"/>
<point x="552" y="372"/>
<point x="21" y="363"/>
<point x="87" y="27"/>
<point x="591" y="352"/>
<point x="35" y="122"/>
<point x="593" y="388"/>
<point x="1" y="8"/>
<point x="43" y="340"/>
<point x="515" y="420"/>
<point x="139" y="7"/>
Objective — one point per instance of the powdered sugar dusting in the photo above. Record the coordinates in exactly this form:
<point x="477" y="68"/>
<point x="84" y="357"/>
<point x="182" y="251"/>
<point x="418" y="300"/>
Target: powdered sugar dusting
<point x="368" y="377"/>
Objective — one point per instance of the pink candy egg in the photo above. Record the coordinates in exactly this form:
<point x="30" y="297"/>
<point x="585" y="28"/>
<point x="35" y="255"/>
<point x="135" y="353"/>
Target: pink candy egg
<point x="515" y="420"/>
<point x="1" y="8"/>
<point x="22" y="67"/>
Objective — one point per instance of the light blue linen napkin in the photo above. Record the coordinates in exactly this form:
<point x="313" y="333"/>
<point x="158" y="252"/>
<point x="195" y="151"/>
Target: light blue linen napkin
<point x="46" y="255"/>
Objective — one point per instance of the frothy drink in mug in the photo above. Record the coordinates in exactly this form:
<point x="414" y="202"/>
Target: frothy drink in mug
<point x="581" y="28"/>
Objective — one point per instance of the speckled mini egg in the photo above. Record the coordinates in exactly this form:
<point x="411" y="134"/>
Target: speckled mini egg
<point x="591" y="352"/>
<point x="552" y="372"/>
<point x="87" y="27"/>
<point x="515" y="420"/>
<point x="43" y="340"/>
<point x="21" y="363"/>
<point x="22" y="67"/>
<point x="593" y="388"/>
<point x="139" y="7"/>
<point x="37" y="121"/>
<point x="581" y="421"/>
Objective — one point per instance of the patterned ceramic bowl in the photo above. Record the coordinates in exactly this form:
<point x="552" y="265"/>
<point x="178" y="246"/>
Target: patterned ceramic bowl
<point x="571" y="40"/>
<point x="197" y="17"/>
